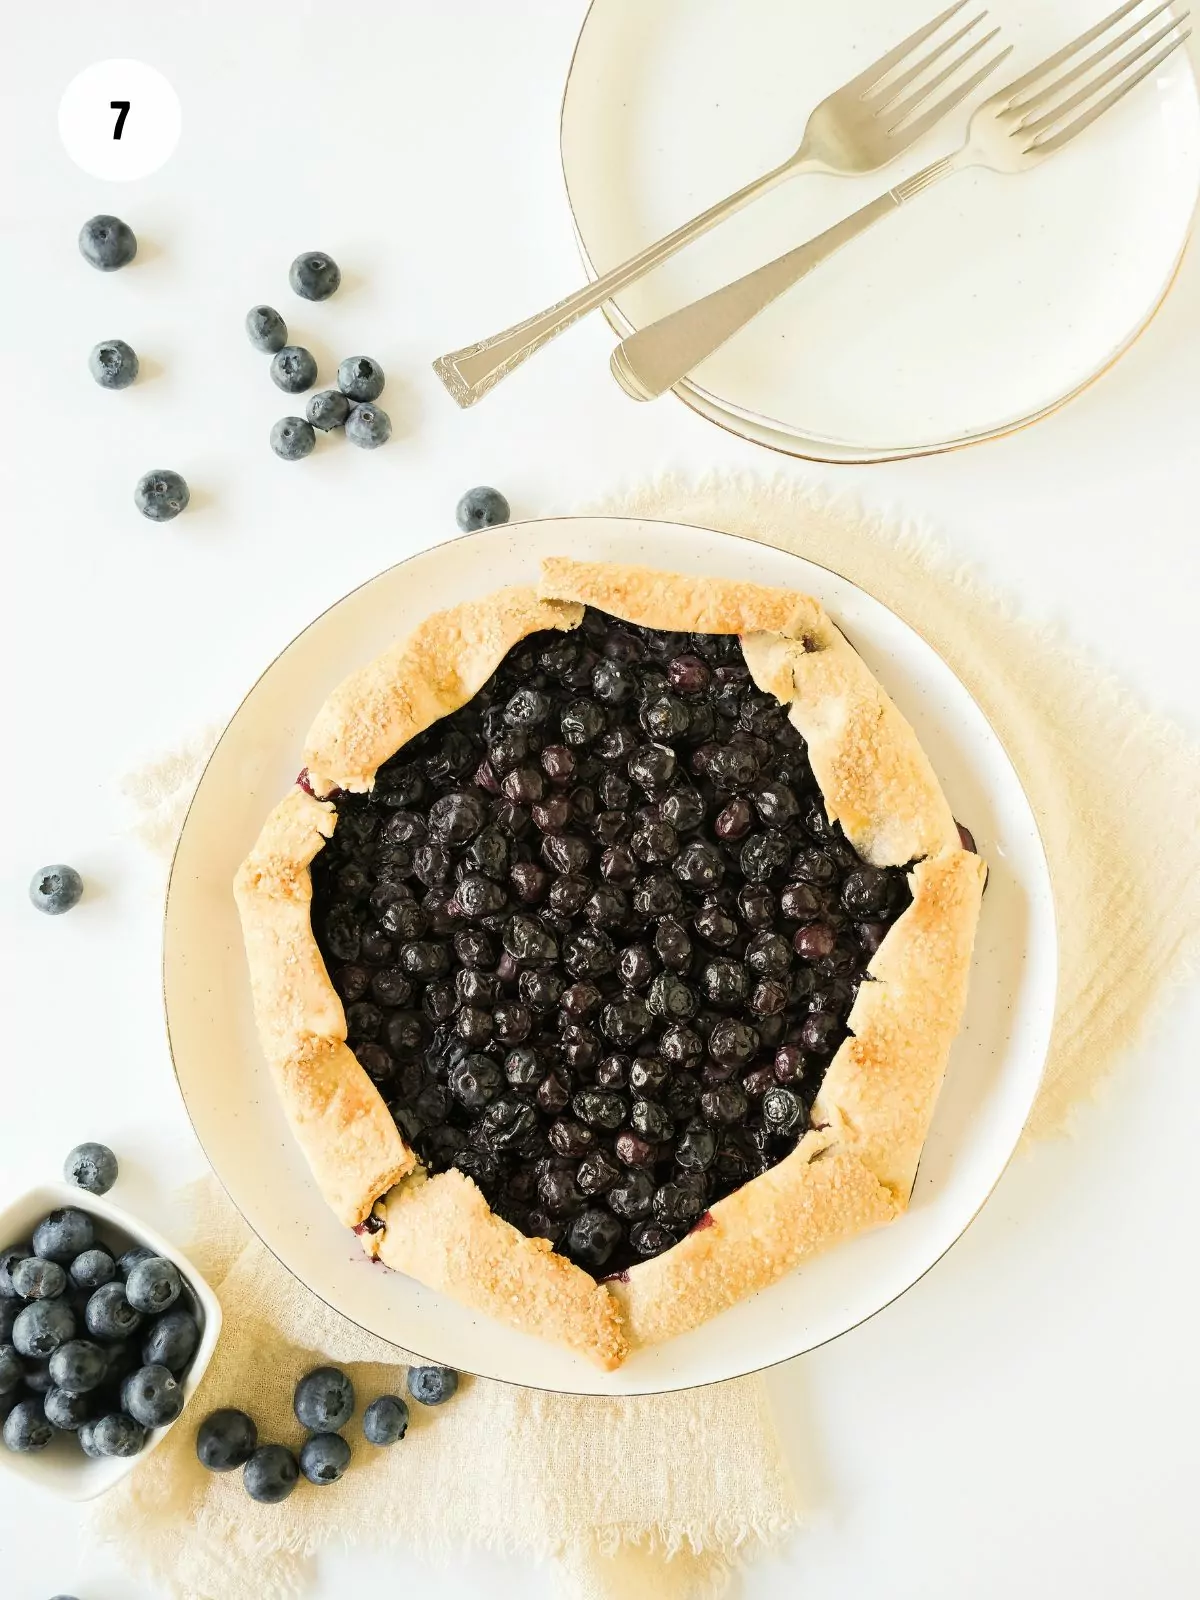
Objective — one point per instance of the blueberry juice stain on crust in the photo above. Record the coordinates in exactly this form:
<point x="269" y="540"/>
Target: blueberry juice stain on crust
<point x="596" y="938"/>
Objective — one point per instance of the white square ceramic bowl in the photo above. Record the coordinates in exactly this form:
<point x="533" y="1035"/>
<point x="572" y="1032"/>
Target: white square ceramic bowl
<point x="63" y="1468"/>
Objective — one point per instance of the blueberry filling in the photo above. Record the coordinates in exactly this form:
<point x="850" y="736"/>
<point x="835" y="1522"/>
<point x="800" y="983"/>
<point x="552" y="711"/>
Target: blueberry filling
<point x="596" y="937"/>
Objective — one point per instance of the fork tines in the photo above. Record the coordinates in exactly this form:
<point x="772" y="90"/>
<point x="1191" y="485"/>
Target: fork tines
<point x="899" y="94"/>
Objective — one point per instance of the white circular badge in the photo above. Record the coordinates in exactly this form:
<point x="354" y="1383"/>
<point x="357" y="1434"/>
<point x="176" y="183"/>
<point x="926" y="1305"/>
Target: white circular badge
<point x="119" y="120"/>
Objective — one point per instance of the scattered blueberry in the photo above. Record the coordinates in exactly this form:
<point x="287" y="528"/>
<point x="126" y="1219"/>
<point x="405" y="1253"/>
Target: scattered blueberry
<point x="271" y="1474"/>
<point x="266" y="329"/>
<point x="63" y="1235"/>
<point x="107" y="243"/>
<point x="324" y="1458"/>
<point x="35" y="1279"/>
<point x="109" y="1314"/>
<point x="66" y="1411"/>
<point x="56" y="889"/>
<point x="359" y="378"/>
<point x="385" y="1420"/>
<point x="314" y="276"/>
<point x="292" y="438"/>
<point x="172" y="1341"/>
<point x="153" y="1285"/>
<point x="92" y="1167"/>
<point x="117" y="1435"/>
<point x="432" y="1386"/>
<point x="152" y="1396"/>
<point x="26" y="1428"/>
<point x="226" y="1439"/>
<point x="481" y="508"/>
<point x="78" y="1366"/>
<point x="293" y="369"/>
<point x="324" y="1400"/>
<point x="368" y="426"/>
<point x="161" y="495"/>
<point x="113" y="364"/>
<point x="328" y="409"/>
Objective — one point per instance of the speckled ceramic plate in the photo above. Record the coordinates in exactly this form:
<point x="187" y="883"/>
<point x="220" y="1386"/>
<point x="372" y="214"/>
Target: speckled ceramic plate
<point x="997" y="1060"/>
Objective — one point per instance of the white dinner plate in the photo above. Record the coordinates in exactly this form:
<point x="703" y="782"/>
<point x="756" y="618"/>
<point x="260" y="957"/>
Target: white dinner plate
<point x="997" y="1059"/>
<point x="984" y="304"/>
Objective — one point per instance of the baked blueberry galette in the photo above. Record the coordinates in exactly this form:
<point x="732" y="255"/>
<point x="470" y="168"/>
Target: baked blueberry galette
<point x="609" y="950"/>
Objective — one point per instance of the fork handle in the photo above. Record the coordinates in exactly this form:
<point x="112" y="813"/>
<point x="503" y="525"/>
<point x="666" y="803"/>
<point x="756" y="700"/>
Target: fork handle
<point x="471" y="372"/>
<point x="660" y="355"/>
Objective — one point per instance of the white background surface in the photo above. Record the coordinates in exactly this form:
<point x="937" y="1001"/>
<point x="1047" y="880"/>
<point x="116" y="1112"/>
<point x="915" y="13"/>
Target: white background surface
<point x="1024" y="1421"/>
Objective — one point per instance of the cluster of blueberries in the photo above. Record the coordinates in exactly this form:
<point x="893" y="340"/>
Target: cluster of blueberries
<point x="324" y="1403"/>
<point x="92" y="1344"/>
<point x="293" y="369"/>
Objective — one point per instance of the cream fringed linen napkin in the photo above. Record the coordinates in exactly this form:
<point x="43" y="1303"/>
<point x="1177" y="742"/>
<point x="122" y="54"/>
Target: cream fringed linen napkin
<point x="606" y="1491"/>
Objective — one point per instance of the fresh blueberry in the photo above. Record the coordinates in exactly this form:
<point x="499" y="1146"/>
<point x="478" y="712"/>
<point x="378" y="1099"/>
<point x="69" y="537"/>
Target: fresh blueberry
<point x="324" y="1458"/>
<point x="107" y="243"/>
<point x="153" y="1285"/>
<point x="35" y="1279"/>
<point x="56" y="889"/>
<point x="8" y="1260"/>
<point x="109" y="1314"/>
<point x="324" y="1400"/>
<point x="172" y="1341"/>
<point x="131" y="1257"/>
<point x="12" y="1373"/>
<point x="360" y="378"/>
<point x="271" y="1474"/>
<point x="123" y="1358"/>
<point x="92" y="1167"/>
<point x="481" y="508"/>
<point x="328" y="409"/>
<point x="293" y="369"/>
<point x="368" y="426"/>
<point x="152" y="1396"/>
<point x="226" y="1439"/>
<point x="161" y="495"/>
<point x="314" y="276"/>
<point x="66" y="1411"/>
<point x="266" y="329"/>
<point x="78" y="1366"/>
<point x="87" y="1440"/>
<point x="117" y="1435"/>
<point x="113" y="364"/>
<point x="292" y="438"/>
<point x="385" y="1420"/>
<point x="26" y="1428"/>
<point x="37" y="1377"/>
<point x="432" y="1386"/>
<point x="63" y="1235"/>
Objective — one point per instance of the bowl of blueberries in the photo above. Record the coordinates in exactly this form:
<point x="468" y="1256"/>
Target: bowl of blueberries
<point x="105" y="1332"/>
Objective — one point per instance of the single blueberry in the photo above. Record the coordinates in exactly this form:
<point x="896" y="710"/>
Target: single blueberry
<point x="152" y="1396"/>
<point x="385" y="1420"/>
<point x="12" y="1373"/>
<point x="172" y="1341"/>
<point x="292" y="438"/>
<point x="226" y="1439"/>
<point x="359" y="378"/>
<point x="153" y="1285"/>
<point x="8" y="1260"/>
<point x="324" y="1458"/>
<point x="109" y="1314"/>
<point x="270" y="1474"/>
<point x="35" y="1279"/>
<point x="56" y="889"/>
<point x="368" y="426"/>
<point x="107" y="243"/>
<point x="63" y="1235"/>
<point x="131" y="1257"/>
<point x="328" y="409"/>
<point x="324" y="1400"/>
<point x="92" y="1167"/>
<point x="117" y="1435"/>
<point x="481" y="508"/>
<point x="113" y="364"/>
<point x="78" y="1366"/>
<point x="161" y="495"/>
<point x="314" y="276"/>
<point x="87" y="1440"/>
<point x="432" y="1386"/>
<point x="66" y="1411"/>
<point x="26" y="1428"/>
<point x="266" y="329"/>
<point x="293" y="369"/>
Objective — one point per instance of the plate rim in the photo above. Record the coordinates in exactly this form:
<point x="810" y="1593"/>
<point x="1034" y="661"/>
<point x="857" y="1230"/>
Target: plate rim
<point x="603" y="517"/>
<point x="711" y="408"/>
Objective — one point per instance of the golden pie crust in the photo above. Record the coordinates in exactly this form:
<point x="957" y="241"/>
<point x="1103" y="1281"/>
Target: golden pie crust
<point x="855" y="1167"/>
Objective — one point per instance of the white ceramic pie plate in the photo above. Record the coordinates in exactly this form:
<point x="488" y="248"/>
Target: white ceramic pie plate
<point x="993" y="1075"/>
<point x="986" y="304"/>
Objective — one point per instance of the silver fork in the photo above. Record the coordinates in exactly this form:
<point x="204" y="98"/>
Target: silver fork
<point x="859" y="128"/>
<point x="1015" y="130"/>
